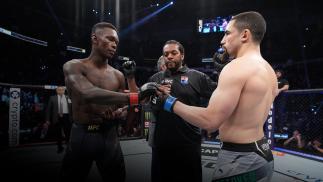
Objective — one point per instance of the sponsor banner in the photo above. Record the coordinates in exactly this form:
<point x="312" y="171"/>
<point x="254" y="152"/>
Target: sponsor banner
<point x="14" y="117"/>
<point x="146" y="124"/>
<point x="50" y="87"/>
<point x="149" y="122"/>
<point x="298" y="167"/>
<point x="209" y="151"/>
<point x="278" y="153"/>
<point x="269" y="127"/>
<point x="281" y="135"/>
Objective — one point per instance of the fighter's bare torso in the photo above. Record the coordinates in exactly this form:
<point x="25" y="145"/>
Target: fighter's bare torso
<point x="245" y="125"/>
<point x="105" y="77"/>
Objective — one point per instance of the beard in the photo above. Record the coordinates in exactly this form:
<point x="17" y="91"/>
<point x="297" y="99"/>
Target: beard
<point x="173" y="66"/>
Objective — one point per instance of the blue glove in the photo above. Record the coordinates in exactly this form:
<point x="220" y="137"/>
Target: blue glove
<point x="165" y="102"/>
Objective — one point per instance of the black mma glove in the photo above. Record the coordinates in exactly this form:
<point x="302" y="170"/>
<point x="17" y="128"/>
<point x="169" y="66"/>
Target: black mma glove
<point x="220" y="59"/>
<point x="129" y="69"/>
<point x="165" y="102"/>
<point x="156" y="103"/>
<point x="147" y="90"/>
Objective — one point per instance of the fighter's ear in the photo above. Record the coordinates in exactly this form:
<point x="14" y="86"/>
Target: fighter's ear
<point x="245" y="35"/>
<point x="94" y="38"/>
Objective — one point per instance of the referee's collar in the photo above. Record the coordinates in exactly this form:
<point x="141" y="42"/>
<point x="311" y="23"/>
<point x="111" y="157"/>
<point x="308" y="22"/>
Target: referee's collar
<point x="183" y="69"/>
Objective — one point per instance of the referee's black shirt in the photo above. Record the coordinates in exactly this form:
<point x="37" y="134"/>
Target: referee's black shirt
<point x="188" y="86"/>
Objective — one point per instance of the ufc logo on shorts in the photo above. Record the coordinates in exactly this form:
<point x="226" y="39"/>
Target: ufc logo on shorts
<point x="93" y="127"/>
<point x="265" y="146"/>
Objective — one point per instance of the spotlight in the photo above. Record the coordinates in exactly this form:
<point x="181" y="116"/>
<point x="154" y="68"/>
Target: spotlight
<point x="157" y="4"/>
<point x="43" y="67"/>
<point x="171" y="2"/>
<point x="145" y="19"/>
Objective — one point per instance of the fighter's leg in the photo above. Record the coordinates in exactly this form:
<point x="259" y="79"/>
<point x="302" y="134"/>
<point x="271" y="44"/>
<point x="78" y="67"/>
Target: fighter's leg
<point x="76" y="162"/>
<point x="245" y="166"/>
<point x="110" y="162"/>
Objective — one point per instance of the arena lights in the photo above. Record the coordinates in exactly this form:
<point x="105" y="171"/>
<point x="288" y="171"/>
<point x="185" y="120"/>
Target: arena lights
<point x="145" y="19"/>
<point x="95" y="11"/>
<point x="154" y="5"/>
<point x="146" y="9"/>
<point x="36" y="41"/>
<point x="75" y="49"/>
<point x="2" y="30"/>
<point x="23" y="37"/>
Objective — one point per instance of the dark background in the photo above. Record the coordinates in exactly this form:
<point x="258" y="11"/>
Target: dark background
<point x="293" y="40"/>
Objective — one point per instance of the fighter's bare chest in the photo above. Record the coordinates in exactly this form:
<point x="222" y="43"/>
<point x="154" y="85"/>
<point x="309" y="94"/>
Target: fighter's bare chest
<point x="103" y="79"/>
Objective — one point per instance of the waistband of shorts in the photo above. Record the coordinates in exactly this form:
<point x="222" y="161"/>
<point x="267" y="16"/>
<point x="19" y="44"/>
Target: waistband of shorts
<point x="245" y="147"/>
<point x="94" y="126"/>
